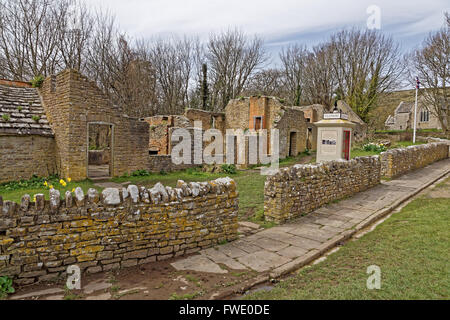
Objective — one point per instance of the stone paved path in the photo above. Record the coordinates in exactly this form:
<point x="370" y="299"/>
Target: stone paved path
<point x="284" y="248"/>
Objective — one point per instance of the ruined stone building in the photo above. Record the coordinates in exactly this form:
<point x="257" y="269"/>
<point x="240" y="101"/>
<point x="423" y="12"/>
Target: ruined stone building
<point x="403" y="118"/>
<point x="251" y="113"/>
<point x="46" y="131"/>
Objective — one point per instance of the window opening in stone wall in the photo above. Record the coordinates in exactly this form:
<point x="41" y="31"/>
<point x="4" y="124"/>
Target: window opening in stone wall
<point x="258" y="123"/>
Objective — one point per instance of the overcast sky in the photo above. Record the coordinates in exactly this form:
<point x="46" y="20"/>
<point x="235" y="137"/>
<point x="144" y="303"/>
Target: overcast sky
<point x="279" y="22"/>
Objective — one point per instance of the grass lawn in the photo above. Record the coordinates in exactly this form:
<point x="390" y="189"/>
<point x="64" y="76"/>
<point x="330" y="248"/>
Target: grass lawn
<point x="358" y="151"/>
<point x="250" y="184"/>
<point x="411" y="248"/>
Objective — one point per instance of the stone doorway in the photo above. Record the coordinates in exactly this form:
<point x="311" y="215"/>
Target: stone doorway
<point x="293" y="144"/>
<point x="100" y="154"/>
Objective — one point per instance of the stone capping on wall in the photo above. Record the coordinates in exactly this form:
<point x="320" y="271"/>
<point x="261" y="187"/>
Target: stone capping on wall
<point x="396" y="162"/>
<point x="301" y="189"/>
<point x="113" y="229"/>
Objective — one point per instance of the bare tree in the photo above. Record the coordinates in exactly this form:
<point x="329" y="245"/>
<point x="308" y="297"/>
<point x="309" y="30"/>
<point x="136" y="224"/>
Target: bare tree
<point x="320" y="83"/>
<point x="365" y="63"/>
<point x="76" y="31"/>
<point x="269" y="82"/>
<point x="431" y="64"/>
<point x="173" y="61"/>
<point x="232" y="58"/>
<point x="293" y="60"/>
<point x="121" y="68"/>
<point x="103" y="51"/>
<point x="29" y="35"/>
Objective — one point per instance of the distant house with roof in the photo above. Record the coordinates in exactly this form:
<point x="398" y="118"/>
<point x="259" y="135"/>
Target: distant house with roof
<point x="403" y="117"/>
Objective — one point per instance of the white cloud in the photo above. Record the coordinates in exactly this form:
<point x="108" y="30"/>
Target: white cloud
<point x="274" y="20"/>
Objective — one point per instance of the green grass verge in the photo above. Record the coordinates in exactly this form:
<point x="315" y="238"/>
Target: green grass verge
<point x="16" y="194"/>
<point x="250" y="186"/>
<point x="411" y="248"/>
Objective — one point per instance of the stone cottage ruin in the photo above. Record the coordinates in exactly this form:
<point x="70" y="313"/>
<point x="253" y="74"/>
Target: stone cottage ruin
<point x="46" y="131"/>
<point x="250" y="113"/>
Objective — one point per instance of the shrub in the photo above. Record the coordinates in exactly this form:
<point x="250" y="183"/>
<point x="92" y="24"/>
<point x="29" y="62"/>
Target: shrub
<point x="36" y="118"/>
<point x="229" y="168"/>
<point x="6" y="117"/>
<point x="37" y="81"/>
<point x="20" y="109"/>
<point x="6" y="287"/>
<point x="140" y="173"/>
<point x="374" y="147"/>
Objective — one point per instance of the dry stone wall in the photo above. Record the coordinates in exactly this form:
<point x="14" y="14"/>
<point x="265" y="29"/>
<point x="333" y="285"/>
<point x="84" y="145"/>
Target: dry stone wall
<point x="301" y="189"/>
<point x="40" y="238"/>
<point x="396" y="162"/>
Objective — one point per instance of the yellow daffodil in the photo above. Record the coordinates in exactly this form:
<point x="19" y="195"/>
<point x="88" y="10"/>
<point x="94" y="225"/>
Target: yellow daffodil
<point x="73" y="190"/>
<point x="46" y="183"/>
<point x="69" y="179"/>
<point x="51" y="187"/>
<point x="34" y="199"/>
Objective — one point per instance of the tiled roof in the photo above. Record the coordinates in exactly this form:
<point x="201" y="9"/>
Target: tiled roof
<point x="20" y="104"/>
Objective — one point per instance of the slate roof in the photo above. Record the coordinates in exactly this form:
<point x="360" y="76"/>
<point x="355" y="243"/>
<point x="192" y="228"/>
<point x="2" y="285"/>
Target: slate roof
<point x="404" y="107"/>
<point x="21" y="103"/>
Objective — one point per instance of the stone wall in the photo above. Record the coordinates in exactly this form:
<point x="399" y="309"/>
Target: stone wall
<point x="72" y="103"/>
<point x="210" y="120"/>
<point x="159" y="137"/>
<point x="291" y="124"/>
<point x="396" y="162"/>
<point x="395" y="136"/>
<point x="301" y="189"/>
<point x="115" y="229"/>
<point x="158" y="163"/>
<point x="21" y="157"/>
<point x="99" y="157"/>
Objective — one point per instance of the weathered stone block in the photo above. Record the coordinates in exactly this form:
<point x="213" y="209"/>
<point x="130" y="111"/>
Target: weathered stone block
<point x="55" y="200"/>
<point x="111" y="196"/>
<point x="79" y="197"/>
